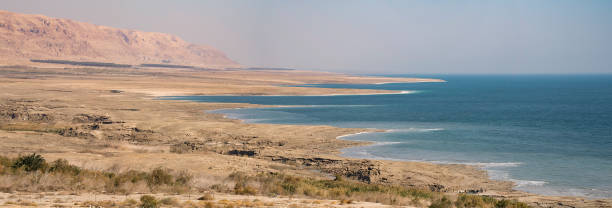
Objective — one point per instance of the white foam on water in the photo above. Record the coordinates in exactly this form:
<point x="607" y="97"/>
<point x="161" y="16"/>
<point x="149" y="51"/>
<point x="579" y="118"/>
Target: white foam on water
<point x="522" y="183"/>
<point x="385" y="143"/>
<point x="552" y="190"/>
<point x="493" y="164"/>
<point x="348" y="135"/>
<point x="254" y="120"/>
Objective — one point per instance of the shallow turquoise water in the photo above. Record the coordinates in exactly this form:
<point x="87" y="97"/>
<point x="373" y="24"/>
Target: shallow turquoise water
<point x="551" y="134"/>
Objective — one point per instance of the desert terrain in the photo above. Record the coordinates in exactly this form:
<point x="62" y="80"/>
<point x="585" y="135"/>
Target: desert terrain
<point x="111" y="119"/>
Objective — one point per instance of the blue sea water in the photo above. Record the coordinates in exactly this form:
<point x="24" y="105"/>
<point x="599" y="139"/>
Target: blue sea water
<point x="550" y="134"/>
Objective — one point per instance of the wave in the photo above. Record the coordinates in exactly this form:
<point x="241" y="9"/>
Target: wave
<point x="493" y="164"/>
<point x="385" y="143"/>
<point x="348" y="135"/>
<point x="552" y="190"/>
<point x="523" y="183"/>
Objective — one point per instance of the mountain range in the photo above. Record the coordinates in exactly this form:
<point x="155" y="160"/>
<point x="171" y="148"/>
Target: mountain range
<point x="24" y="37"/>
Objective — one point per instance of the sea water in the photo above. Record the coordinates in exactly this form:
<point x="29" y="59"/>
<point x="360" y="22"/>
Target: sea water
<point x="550" y="134"/>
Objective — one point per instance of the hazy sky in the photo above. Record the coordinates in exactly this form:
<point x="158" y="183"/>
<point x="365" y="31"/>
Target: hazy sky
<point x="531" y="36"/>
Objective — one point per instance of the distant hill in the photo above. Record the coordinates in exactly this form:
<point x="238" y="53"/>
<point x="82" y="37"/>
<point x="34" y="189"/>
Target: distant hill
<point x="25" y="37"/>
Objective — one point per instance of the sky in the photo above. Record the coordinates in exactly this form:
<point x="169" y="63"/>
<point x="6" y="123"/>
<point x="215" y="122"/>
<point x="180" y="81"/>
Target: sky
<point x="371" y="37"/>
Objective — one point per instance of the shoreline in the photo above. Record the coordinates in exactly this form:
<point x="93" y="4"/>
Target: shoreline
<point x="108" y="119"/>
<point x="362" y="143"/>
<point x="158" y="95"/>
<point x="516" y="183"/>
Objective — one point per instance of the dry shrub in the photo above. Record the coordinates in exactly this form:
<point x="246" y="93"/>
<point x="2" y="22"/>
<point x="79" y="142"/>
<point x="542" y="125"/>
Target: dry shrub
<point x="130" y="202"/>
<point x="339" y="189"/>
<point x="169" y="201"/>
<point x="180" y="148"/>
<point x="33" y="174"/>
<point x="209" y="205"/>
<point x="207" y="197"/>
<point x="148" y="201"/>
<point x="105" y="203"/>
<point x="346" y="201"/>
<point x="348" y="191"/>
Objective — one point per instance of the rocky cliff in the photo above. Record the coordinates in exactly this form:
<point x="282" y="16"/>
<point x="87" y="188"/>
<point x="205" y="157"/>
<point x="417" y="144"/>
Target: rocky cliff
<point x="24" y="37"/>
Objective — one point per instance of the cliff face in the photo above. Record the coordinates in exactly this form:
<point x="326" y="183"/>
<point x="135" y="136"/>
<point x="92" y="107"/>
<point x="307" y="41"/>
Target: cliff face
<point x="24" y="37"/>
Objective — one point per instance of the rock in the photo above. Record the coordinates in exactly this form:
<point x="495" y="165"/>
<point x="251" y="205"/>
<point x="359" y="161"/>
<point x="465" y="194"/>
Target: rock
<point x="249" y="153"/>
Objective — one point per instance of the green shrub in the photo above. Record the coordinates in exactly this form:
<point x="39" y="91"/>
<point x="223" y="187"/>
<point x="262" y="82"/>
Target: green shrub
<point x="468" y="201"/>
<point x="282" y="184"/>
<point x="159" y="176"/>
<point x="510" y="204"/>
<point x="148" y="201"/>
<point x="62" y="166"/>
<point x="244" y="189"/>
<point x="338" y="177"/>
<point x="169" y="201"/>
<point x="183" y="178"/>
<point x="5" y="161"/>
<point x="30" y="163"/>
<point x="441" y="203"/>
<point x="109" y="181"/>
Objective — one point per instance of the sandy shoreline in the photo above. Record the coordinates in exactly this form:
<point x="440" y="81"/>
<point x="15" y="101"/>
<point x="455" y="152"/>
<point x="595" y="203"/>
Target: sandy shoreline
<point x="138" y="131"/>
<point x="365" y="143"/>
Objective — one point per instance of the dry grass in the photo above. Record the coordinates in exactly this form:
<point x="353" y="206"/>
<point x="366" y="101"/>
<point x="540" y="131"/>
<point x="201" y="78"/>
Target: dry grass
<point x="348" y="191"/>
<point x="31" y="173"/>
<point x="27" y="126"/>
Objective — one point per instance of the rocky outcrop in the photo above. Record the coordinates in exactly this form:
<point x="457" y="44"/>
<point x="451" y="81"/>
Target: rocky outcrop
<point x="25" y="116"/>
<point x="368" y="171"/>
<point x="25" y="37"/>
<point x="23" y="112"/>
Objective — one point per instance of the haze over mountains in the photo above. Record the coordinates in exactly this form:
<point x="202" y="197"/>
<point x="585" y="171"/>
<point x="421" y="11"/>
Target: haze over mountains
<point x="24" y="37"/>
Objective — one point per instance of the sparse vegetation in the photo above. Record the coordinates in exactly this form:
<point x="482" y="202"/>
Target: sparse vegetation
<point x="148" y="201"/>
<point x="347" y="191"/>
<point x="30" y="127"/>
<point x="443" y="202"/>
<point x="344" y="190"/>
<point x="504" y="203"/>
<point x="169" y="201"/>
<point x="32" y="173"/>
<point x="180" y="148"/>
<point x="207" y="197"/>
<point x="30" y="163"/>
